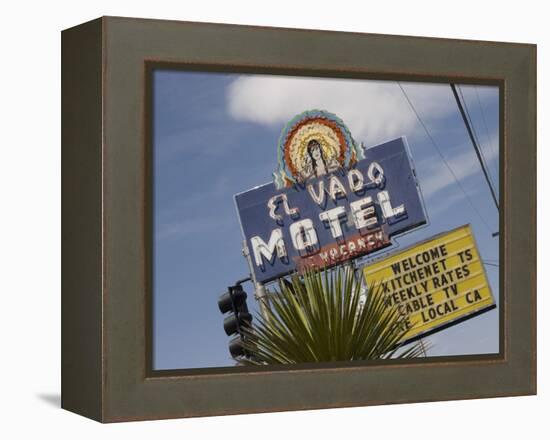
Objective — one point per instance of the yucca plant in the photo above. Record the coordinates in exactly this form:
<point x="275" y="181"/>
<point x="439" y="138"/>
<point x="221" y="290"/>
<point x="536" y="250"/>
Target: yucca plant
<point x="320" y="317"/>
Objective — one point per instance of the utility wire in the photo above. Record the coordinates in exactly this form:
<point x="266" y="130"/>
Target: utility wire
<point x="465" y="105"/>
<point x="443" y="157"/>
<point x="489" y="137"/>
<point x="476" y="147"/>
<point x="481" y="156"/>
<point x="474" y="131"/>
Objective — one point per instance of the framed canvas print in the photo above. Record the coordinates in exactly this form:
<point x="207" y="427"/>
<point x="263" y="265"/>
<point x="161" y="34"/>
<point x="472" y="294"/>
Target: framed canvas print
<point x="262" y="219"/>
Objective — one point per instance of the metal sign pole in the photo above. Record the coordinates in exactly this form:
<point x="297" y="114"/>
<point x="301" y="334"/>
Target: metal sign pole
<point x="260" y="292"/>
<point x="261" y="296"/>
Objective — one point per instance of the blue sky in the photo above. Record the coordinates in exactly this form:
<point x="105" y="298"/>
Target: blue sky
<point x="215" y="135"/>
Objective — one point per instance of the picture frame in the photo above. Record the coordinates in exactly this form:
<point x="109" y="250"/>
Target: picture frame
<point x="107" y="373"/>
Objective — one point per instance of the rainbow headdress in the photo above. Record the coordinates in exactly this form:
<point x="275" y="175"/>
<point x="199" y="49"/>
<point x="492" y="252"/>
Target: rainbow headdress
<point x="338" y="147"/>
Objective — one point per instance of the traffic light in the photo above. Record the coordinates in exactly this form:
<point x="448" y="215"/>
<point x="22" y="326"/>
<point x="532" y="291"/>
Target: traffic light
<point x="233" y="302"/>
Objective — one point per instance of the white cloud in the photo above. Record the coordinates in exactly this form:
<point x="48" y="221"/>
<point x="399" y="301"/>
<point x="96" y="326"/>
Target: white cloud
<point x="443" y="204"/>
<point x="374" y="111"/>
<point x="434" y="176"/>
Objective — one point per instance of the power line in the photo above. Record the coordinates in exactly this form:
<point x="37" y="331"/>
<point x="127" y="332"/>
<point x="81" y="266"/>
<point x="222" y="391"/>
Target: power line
<point x="443" y="157"/>
<point x="476" y="147"/>
<point x="489" y="137"/>
<point x="479" y="143"/>
<point x="474" y="131"/>
<point x="463" y="107"/>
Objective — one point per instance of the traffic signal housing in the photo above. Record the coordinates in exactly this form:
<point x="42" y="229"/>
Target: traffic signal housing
<point x="233" y="304"/>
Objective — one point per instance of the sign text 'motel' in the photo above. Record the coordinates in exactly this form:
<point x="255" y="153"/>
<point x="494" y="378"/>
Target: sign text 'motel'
<point x="333" y="215"/>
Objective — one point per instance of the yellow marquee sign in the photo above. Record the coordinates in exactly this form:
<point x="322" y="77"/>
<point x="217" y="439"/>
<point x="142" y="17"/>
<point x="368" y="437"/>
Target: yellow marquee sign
<point x="434" y="283"/>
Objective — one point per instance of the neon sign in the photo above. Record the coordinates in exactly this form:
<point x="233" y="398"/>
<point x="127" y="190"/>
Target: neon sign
<point x="331" y="200"/>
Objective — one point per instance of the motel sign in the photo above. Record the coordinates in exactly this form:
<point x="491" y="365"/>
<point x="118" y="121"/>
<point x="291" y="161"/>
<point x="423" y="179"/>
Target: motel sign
<point x="337" y="203"/>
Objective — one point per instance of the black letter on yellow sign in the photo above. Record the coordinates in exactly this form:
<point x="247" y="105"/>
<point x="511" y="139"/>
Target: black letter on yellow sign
<point x="476" y="296"/>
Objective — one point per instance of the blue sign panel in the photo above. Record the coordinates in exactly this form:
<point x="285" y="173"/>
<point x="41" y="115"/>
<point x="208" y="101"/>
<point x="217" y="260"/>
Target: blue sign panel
<point x="328" y="220"/>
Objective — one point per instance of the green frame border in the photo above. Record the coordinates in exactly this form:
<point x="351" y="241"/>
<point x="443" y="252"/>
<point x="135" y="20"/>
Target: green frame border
<point x="106" y="275"/>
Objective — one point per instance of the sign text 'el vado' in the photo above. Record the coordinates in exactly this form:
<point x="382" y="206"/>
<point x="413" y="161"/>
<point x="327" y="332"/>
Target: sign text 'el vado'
<point x="331" y="200"/>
